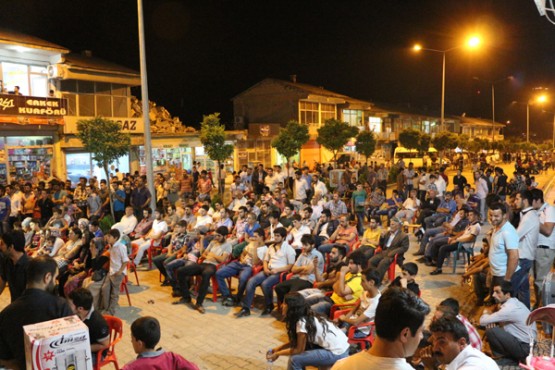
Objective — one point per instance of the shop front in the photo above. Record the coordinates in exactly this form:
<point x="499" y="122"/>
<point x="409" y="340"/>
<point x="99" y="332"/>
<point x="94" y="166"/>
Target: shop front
<point x="29" y="129"/>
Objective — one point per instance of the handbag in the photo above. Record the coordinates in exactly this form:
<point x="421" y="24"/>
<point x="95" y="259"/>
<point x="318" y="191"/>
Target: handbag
<point x="98" y="275"/>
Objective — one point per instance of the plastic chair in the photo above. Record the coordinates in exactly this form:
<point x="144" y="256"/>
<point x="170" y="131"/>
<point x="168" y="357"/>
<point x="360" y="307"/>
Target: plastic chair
<point x="391" y="270"/>
<point x="156" y="246"/>
<point x="468" y="252"/>
<point x="123" y="288"/>
<point x="364" y="341"/>
<point x="116" y="332"/>
<point x="544" y="314"/>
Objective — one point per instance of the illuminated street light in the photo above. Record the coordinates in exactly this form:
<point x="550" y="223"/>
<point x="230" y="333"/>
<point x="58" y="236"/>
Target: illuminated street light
<point x="539" y="99"/>
<point x="492" y="83"/>
<point x="472" y="43"/>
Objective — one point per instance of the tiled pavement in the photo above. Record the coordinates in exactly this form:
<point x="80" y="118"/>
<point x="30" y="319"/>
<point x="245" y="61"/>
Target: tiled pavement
<point x="217" y="340"/>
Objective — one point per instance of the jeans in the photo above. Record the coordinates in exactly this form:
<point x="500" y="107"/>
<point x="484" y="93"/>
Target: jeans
<point x="521" y="281"/>
<point x="435" y="220"/>
<point x="432" y="250"/>
<point x="360" y="222"/>
<point x="161" y="261"/>
<point x="266" y="283"/>
<point x="427" y="235"/>
<point x="316" y="357"/>
<point x="205" y="270"/>
<point x="229" y="270"/>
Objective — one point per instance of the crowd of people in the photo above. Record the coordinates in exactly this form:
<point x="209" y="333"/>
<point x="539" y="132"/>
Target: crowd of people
<point x="286" y="230"/>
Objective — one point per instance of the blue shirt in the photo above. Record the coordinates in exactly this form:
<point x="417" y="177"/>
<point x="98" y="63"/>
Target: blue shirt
<point x="250" y="230"/>
<point x="118" y="204"/>
<point x="4" y="207"/>
<point x="502" y="240"/>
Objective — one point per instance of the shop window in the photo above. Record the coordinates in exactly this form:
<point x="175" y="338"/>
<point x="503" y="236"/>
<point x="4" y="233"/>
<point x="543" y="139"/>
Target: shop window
<point x="16" y="75"/>
<point x="120" y="90"/>
<point x="86" y="105"/>
<point x="375" y="124"/>
<point x="352" y="116"/>
<point x="103" y="88"/>
<point x="103" y="106"/>
<point x="39" y="85"/>
<point x="328" y="112"/>
<point x="119" y="106"/>
<point x="71" y="104"/>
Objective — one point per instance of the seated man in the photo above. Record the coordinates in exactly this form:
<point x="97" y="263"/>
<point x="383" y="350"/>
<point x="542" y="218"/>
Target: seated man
<point x="469" y="235"/>
<point x="159" y="228"/>
<point x="303" y="270"/>
<point x="345" y="235"/>
<point x="217" y="252"/>
<point x="296" y="233"/>
<point x="406" y="280"/>
<point x="399" y="324"/>
<point x="450" y="346"/>
<point x="251" y="256"/>
<point x="144" y="226"/>
<point x="127" y="223"/>
<point x="371" y="238"/>
<point x="250" y="227"/>
<point x="392" y="243"/>
<point x="203" y="221"/>
<point x="409" y="209"/>
<point x="177" y="242"/>
<point x="365" y="310"/>
<point x="393" y="204"/>
<point x="326" y="280"/>
<point x="325" y="228"/>
<point x="443" y="238"/>
<point x="346" y="289"/>
<point x="429" y="206"/>
<point x="145" y="335"/>
<point x="506" y="330"/>
<point x="446" y="227"/>
<point x="279" y="258"/>
<point x="446" y="209"/>
<point x="81" y="302"/>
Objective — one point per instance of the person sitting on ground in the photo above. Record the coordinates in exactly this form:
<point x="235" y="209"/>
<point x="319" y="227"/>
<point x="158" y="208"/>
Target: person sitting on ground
<point x="450" y="306"/>
<point x="478" y="272"/>
<point x="145" y="335"/>
<point x="506" y="329"/>
<point x="365" y="310"/>
<point x="307" y="330"/>
<point x="399" y="324"/>
<point x="409" y="271"/>
<point x="81" y="302"/>
<point x="251" y="257"/>
<point x="450" y="347"/>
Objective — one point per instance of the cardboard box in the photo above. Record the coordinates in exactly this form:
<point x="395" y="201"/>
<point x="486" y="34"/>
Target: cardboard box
<point x="60" y="344"/>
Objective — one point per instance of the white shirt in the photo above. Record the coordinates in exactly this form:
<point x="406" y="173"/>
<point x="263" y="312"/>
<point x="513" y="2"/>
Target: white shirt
<point x="502" y="240"/>
<point x="159" y="226"/>
<point x="118" y="257"/>
<point x="237" y="203"/>
<point x="334" y="341"/>
<point x="513" y="315"/>
<point x="365" y="361"/>
<point x="441" y="185"/>
<point x="369" y="305"/>
<point x="296" y="235"/>
<point x="472" y="359"/>
<point x="260" y="252"/>
<point x="546" y="213"/>
<point x="481" y="188"/>
<point x="280" y="258"/>
<point x="16" y="201"/>
<point x="126" y="225"/>
<point x="528" y="230"/>
<point x="203" y="221"/>
<point x="321" y="188"/>
<point x="411" y="204"/>
<point x="301" y="186"/>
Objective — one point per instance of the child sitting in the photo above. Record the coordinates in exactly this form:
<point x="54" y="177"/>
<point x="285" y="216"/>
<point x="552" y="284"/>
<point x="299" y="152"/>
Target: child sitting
<point x="406" y="280"/>
<point x="145" y="335"/>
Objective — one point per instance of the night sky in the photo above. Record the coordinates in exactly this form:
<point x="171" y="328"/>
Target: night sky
<point x="202" y="53"/>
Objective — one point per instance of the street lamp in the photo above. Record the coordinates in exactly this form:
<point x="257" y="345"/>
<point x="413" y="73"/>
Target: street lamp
<point x="492" y="83"/>
<point x="540" y="99"/>
<point x="472" y="43"/>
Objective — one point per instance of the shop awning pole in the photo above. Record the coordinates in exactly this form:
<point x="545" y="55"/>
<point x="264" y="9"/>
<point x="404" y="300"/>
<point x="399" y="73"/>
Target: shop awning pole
<point x="146" y="117"/>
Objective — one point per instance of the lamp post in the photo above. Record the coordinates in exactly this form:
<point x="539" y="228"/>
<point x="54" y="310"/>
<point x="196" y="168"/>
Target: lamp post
<point x="540" y="99"/>
<point x="471" y="43"/>
<point x="146" y="117"/>
<point x="492" y="83"/>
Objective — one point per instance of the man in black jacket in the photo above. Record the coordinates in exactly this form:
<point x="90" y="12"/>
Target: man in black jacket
<point x="325" y="228"/>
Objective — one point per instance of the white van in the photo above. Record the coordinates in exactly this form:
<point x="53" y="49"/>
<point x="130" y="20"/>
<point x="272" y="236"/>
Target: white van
<point x="412" y="156"/>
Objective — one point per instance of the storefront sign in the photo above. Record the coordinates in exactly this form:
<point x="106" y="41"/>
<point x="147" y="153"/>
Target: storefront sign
<point x="128" y="125"/>
<point x="32" y="106"/>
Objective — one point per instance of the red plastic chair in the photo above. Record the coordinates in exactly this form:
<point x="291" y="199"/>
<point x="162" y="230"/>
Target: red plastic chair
<point x="116" y="332"/>
<point x="363" y="342"/>
<point x="123" y="288"/>
<point x="391" y="270"/>
<point x="155" y="247"/>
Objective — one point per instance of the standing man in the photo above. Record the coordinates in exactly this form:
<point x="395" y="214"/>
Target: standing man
<point x="503" y="252"/>
<point x="409" y="175"/>
<point x="528" y="231"/>
<point x="5" y="210"/>
<point x="300" y="190"/>
<point x="545" y="250"/>
<point x="140" y="198"/>
<point x="118" y="268"/>
<point x="13" y="265"/>
<point x="37" y="304"/>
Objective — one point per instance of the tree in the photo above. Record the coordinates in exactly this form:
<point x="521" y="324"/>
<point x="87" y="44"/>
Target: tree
<point x="444" y="140"/>
<point x="290" y="139"/>
<point x="424" y="143"/>
<point x="104" y="139"/>
<point x="334" y="134"/>
<point x="366" y="144"/>
<point x="410" y="138"/>
<point x="212" y="136"/>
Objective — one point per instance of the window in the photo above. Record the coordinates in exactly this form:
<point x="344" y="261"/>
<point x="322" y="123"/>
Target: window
<point x="32" y="80"/>
<point x="352" y="117"/>
<point x="308" y="113"/>
<point x="328" y="112"/>
<point x="375" y="124"/>
<point x="86" y="105"/>
<point x="71" y="104"/>
<point x="103" y="106"/>
<point x="97" y="98"/>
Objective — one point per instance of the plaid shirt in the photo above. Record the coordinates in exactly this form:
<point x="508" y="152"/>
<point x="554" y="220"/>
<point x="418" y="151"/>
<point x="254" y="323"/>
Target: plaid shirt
<point x="475" y="340"/>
